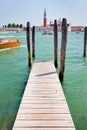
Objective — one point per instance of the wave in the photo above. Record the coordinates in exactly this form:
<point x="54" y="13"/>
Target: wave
<point x="6" y="36"/>
<point x="20" y="36"/>
<point x="24" y="46"/>
<point x="4" y="32"/>
<point x="11" y="48"/>
<point x="13" y="36"/>
<point x="5" y="49"/>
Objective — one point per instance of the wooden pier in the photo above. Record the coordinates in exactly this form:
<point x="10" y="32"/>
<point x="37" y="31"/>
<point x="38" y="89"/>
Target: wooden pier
<point x="43" y="106"/>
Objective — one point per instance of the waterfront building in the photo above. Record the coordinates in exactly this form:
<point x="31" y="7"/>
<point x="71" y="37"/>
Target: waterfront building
<point x="77" y="28"/>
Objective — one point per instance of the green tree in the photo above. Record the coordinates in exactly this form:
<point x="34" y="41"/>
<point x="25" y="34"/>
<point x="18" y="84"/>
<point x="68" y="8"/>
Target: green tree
<point x="21" y="25"/>
<point x="9" y="25"/>
<point x="17" y="25"/>
<point x="13" y="25"/>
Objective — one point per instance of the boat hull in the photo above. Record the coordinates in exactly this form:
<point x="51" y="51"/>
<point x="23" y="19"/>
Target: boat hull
<point x="9" y="45"/>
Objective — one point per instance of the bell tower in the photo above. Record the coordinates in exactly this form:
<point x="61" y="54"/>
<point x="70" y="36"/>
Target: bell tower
<point x="45" y="18"/>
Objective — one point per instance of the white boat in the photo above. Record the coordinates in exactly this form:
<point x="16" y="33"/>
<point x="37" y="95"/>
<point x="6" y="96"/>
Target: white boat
<point x="47" y="31"/>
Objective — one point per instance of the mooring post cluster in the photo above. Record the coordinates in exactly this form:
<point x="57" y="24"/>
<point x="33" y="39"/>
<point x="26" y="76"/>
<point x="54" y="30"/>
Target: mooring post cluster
<point x="63" y="45"/>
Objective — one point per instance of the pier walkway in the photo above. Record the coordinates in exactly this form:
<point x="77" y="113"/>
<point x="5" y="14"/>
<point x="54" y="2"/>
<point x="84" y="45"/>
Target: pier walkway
<point x="43" y="106"/>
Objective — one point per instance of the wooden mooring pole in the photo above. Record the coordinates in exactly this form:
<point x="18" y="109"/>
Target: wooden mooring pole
<point x="85" y="41"/>
<point x="28" y="44"/>
<point x="63" y="48"/>
<point x="55" y="43"/>
<point x="33" y="41"/>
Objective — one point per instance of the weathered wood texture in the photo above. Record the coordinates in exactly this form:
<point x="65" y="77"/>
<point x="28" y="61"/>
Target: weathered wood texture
<point x="55" y="43"/>
<point x="28" y="43"/>
<point x="63" y="49"/>
<point x="33" y="41"/>
<point x="43" y="106"/>
<point x="85" y="41"/>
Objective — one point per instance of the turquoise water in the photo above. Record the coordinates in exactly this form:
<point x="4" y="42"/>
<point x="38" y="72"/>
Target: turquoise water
<point x="14" y="72"/>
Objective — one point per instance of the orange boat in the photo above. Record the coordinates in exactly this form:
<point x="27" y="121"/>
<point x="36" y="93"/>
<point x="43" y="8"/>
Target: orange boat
<point x="9" y="43"/>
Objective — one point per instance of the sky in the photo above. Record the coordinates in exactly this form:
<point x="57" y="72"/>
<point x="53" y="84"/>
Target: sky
<point x="22" y="11"/>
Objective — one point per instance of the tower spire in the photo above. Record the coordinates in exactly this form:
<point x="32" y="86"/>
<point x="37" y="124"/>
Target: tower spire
<point x="45" y="13"/>
<point x="45" y="18"/>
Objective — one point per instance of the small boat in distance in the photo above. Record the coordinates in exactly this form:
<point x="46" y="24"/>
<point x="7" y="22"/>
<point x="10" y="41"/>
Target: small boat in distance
<point x="9" y="43"/>
<point x="47" y="31"/>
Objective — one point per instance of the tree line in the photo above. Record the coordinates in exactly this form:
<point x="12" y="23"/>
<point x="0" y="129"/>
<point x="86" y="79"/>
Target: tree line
<point x="13" y="25"/>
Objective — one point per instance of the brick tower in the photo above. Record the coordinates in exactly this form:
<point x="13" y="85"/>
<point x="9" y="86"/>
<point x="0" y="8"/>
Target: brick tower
<point x="45" y="18"/>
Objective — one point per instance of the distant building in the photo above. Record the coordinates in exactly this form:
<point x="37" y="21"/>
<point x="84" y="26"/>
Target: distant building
<point x="50" y="26"/>
<point x="77" y="28"/>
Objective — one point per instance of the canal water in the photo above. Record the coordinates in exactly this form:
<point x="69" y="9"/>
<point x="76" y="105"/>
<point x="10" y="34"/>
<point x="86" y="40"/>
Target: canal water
<point x="14" y="73"/>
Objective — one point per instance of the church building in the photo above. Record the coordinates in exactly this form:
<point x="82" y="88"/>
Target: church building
<point x="50" y="26"/>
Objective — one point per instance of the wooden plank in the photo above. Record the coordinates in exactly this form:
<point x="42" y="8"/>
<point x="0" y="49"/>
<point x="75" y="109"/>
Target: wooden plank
<point x="44" y="128"/>
<point x="44" y="94"/>
<point x="39" y="116"/>
<point x="44" y="101"/>
<point x="45" y="123"/>
<point x="43" y="106"/>
<point x="43" y="98"/>
<point x="43" y="111"/>
<point x="44" y="91"/>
